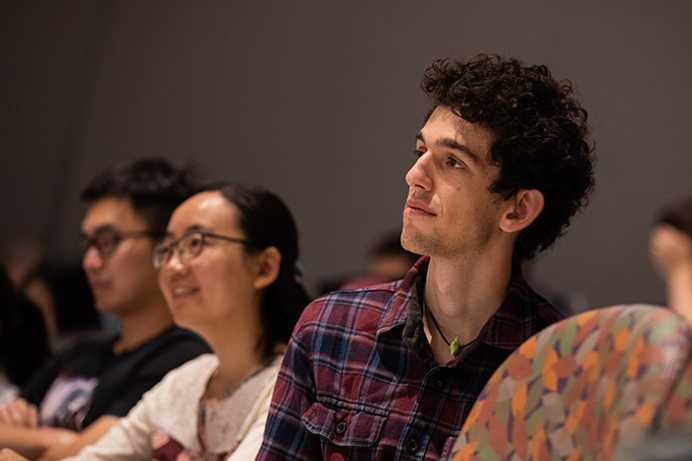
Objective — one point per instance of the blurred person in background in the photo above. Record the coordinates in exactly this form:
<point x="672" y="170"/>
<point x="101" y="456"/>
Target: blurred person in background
<point x="387" y="261"/>
<point x="82" y="391"/>
<point x="60" y="290"/>
<point x="23" y="339"/>
<point x="670" y="246"/>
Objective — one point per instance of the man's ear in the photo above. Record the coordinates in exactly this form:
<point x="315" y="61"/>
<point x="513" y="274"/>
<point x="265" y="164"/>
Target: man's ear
<point x="268" y="267"/>
<point x="523" y="209"/>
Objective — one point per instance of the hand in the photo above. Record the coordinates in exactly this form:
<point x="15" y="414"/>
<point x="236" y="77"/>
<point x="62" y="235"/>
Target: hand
<point x="53" y="437"/>
<point x="9" y="455"/>
<point x="671" y="251"/>
<point x="19" y="412"/>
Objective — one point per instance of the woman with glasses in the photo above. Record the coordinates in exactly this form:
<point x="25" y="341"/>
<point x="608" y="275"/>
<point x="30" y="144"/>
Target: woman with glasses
<point x="228" y="270"/>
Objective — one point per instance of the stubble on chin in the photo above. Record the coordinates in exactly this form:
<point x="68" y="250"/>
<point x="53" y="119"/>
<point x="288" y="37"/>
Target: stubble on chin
<point x="418" y="243"/>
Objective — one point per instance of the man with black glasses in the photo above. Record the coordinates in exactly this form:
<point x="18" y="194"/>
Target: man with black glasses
<point x="79" y="395"/>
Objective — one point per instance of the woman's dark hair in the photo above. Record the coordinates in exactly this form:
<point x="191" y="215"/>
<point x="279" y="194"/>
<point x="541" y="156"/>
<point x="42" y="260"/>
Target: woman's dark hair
<point x="679" y="215"/>
<point x="539" y="135"/>
<point x="267" y="222"/>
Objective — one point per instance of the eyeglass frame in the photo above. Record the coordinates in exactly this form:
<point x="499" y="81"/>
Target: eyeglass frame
<point x="89" y="241"/>
<point x="173" y="246"/>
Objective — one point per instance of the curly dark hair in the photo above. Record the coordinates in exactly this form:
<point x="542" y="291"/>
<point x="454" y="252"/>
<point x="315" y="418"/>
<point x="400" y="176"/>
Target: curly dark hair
<point x="540" y="135"/>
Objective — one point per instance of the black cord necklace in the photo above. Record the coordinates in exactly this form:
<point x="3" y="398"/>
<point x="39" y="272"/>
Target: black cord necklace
<point x="454" y="346"/>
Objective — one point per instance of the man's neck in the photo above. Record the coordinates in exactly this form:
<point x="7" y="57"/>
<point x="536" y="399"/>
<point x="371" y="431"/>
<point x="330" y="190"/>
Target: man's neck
<point x="462" y="294"/>
<point x="141" y="325"/>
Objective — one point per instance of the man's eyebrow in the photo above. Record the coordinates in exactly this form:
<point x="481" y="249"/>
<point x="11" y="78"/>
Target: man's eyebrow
<point x="98" y="229"/>
<point x="452" y="144"/>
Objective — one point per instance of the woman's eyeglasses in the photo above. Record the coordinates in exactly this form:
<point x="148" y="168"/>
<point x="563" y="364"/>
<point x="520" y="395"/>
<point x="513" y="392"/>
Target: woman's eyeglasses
<point x="189" y="246"/>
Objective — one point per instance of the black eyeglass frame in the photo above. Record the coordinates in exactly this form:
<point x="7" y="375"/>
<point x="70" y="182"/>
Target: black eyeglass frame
<point x="172" y="246"/>
<point x="88" y="241"/>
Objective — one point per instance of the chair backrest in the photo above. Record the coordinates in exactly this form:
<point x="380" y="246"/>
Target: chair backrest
<point x="578" y="388"/>
<point x="676" y="413"/>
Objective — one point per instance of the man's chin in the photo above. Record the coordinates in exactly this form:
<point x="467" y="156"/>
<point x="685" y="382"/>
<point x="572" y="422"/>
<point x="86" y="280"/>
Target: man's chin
<point x="107" y="306"/>
<point x="415" y="242"/>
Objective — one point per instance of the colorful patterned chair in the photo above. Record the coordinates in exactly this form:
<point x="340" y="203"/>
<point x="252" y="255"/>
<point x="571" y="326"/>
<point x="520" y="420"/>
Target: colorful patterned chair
<point x="580" y="387"/>
<point x="676" y="414"/>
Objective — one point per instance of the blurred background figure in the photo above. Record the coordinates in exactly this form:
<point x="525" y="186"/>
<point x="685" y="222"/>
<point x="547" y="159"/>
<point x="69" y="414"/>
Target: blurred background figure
<point x="20" y="257"/>
<point x="23" y="339"/>
<point x="58" y="288"/>
<point x="671" y="253"/>
<point x="386" y="261"/>
<point x="61" y="292"/>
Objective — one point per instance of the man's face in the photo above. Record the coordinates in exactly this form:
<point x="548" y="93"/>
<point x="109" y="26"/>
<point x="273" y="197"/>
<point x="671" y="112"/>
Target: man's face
<point x="121" y="275"/>
<point x="450" y="210"/>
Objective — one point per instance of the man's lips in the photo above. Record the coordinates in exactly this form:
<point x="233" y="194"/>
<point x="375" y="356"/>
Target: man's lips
<point x="418" y="207"/>
<point x="99" y="285"/>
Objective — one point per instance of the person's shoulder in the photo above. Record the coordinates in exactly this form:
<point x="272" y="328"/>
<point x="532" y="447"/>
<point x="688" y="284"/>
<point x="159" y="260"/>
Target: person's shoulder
<point x="544" y="312"/>
<point x="86" y="355"/>
<point x="180" y="340"/>
<point x="175" y="396"/>
<point x="168" y="350"/>
<point x="196" y="365"/>
<point x="369" y="298"/>
<point x="90" y="342"/>
<point x="189" y="371"/>
<point x="348" y="310"/>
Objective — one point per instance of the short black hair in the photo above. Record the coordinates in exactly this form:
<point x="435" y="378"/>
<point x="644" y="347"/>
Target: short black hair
<point x="153" y="185"/>
<point x="540" y="135"/>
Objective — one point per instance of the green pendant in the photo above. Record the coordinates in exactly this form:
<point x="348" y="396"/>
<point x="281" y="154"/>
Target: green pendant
<point x="454" y="347"/>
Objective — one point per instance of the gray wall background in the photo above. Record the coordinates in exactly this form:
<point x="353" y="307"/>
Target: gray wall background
<point x="319" y="101"/>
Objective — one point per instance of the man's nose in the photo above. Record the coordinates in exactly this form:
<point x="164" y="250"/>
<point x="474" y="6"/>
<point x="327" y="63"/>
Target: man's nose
<point x="418" y="175"/>
<point x="92" y="259"/>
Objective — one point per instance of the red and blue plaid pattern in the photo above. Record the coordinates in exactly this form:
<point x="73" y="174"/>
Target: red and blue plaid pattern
<point x="359" y="381"/>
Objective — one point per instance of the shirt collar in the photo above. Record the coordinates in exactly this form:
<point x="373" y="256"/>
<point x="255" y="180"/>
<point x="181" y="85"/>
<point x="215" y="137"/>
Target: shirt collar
<point x="520" y="316"/>
<point x="405" y="298"/>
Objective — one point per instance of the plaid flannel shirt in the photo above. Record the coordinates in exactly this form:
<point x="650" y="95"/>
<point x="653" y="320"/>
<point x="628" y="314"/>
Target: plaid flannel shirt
<point x="359" y="381"/>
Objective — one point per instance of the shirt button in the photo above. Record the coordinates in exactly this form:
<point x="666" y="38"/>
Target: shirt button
<point x="412" y="445"/>
<point x="341" y="427"/>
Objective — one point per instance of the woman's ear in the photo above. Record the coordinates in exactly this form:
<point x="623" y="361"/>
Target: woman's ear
<point x="268" y="267"/>
<point x="524" y="208"/>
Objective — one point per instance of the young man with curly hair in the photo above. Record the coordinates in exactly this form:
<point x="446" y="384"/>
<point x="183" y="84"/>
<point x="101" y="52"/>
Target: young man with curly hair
<point x="391" y="371"/>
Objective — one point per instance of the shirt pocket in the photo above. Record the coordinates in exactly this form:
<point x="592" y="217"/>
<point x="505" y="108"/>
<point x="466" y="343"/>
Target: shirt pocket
<point x="345" y="428"/>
